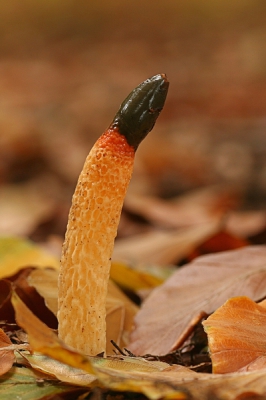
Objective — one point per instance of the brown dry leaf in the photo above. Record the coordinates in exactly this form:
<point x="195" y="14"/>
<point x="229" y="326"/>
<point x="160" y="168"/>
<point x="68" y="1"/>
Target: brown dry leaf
<point x="236" y="336"/>
<point x="30" y="297"/>
<point x="163" y="247"/>
<point x="155" y="379"/>
<point x="195" y="208"/>
<point x="221" y="241"/>
<point x="178" y="382"/>
<point x="28" y="294"/>
<point x="120" y="310"/>
<point x="135" y="374"/>
<point x="246" y="223"/>
<point x="257" y="364"/>
<point x="203" y="285"/>
<point x="57" y="369"/>
<point x="6" y="309"/>
<point x="23" y="207"/>
<point x="7" y="356"/>
<point x="109" y="370"/>
<point x="156" y="382"/>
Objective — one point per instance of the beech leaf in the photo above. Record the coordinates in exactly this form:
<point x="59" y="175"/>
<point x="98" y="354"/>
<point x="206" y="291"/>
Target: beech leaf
<point x="164" y="247"/>
<point x="236" y="335"/>
<point x="195" y="208"/>
<point x="61" y="371"/>
<point x="23" y="206"/>
<point x="7" y="356"/>
<point x="203" y="285"/>
<point x="178" y="382"/>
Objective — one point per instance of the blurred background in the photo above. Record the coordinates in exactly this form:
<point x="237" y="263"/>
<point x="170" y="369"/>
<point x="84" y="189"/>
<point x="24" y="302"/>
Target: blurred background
<point x="66" y="66"/>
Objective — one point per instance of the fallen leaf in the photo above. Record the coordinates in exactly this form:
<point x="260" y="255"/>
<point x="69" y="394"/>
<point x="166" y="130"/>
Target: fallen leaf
<point x="6" y="309"/>
<point x="28" y="294"/>
<point x="25" y="384"/>
<point x="32" y="298"/>
<point x="129" y="364"/>
<point x="44" y="340"/>
<point x="245" y="224"/>
<point x="23" y="206"/>
<point x="59" y="370"/>
<point x="118" y="373"/>
<point x="136" y="375"/>
<point x="163" y="247"/>
<point x="7" y="356"/>
<point x="257" y="364"/>
<point x="236" y="335"/>
<point x="45" y="281"/>
<point x="221" y="241"/>
<point x="178" y="382"/>
<point x="203" y="285"/>
<point x="16" y="253"/>
<point x="120" y="311"/>
<point x="197" y="207"/>
<point x="158" y="380"/>
<point x="133" y="278"/>
<point x="139" y="278"/>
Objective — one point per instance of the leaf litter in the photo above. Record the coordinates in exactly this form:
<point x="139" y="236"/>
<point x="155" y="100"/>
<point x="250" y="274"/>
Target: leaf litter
<point x="232" y="268"/>
<point x="184" y="159"/>
<point x="198" y="286"/>
<point x="203" y="285"/>
<point x="209" y="281"/>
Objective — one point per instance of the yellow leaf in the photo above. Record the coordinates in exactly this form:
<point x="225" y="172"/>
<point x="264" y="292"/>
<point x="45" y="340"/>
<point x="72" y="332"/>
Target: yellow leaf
<point x="57" y="369"/>
<point x="42" y="339"/>
<point x="45" y="282"/>
<point x="16" y="253"/>
<point x="133" y="279"/>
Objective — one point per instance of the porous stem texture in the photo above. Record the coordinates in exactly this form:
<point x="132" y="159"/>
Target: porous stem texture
<point x="89" y="241"/>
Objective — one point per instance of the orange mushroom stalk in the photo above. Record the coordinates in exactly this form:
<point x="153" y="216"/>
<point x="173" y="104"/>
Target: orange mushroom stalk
<point x="94" y="217"/>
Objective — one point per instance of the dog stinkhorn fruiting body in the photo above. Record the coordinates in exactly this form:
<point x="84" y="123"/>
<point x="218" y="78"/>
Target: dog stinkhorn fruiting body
<point x="94" y="217"/>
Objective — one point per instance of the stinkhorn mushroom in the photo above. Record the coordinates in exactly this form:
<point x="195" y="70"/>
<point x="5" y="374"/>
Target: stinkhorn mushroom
<point x="94" y="217"/>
